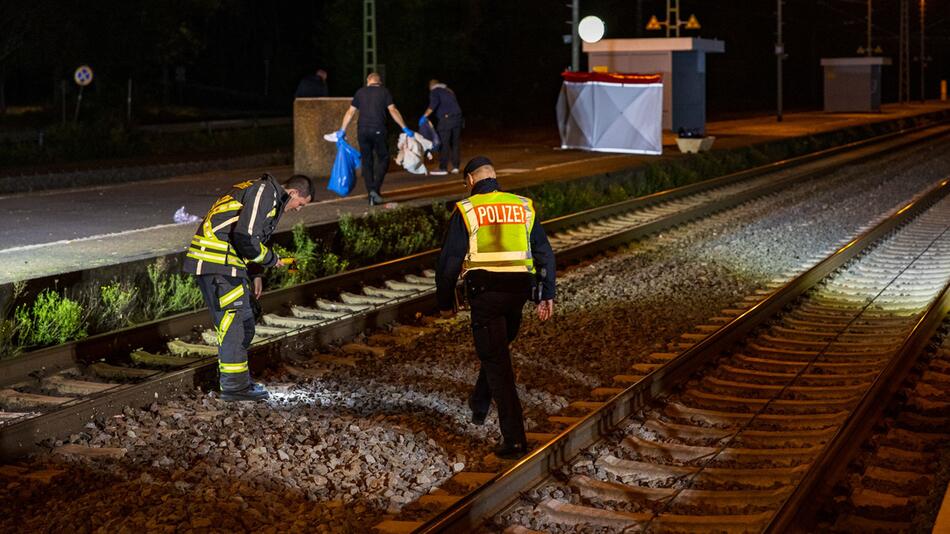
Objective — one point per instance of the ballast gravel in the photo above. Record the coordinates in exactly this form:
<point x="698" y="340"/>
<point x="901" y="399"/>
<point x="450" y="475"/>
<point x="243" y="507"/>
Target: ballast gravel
<point x="339" y="452"/>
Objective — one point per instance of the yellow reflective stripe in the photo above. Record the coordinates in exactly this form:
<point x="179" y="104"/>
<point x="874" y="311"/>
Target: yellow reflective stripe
<point x="233" y="367"/>
<point x="228" y="222"/>
<point x="231" y="296"/>
<point x="214" y="257"/>
<point x="500" y="256"/>
<point x="262" y="255"/>
<point x="220" y="245"/>
<point x="229" y="206"/>
<point x="272" y="212"/>
<point x="500" y="268"/>
<point x="225" y="325"/>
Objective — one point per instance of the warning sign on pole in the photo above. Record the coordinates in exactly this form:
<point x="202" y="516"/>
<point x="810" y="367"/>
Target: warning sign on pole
<point x="83" y="75"/>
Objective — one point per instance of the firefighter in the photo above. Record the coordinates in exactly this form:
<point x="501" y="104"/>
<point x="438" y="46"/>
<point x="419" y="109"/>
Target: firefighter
<point x="494" y="242"/>
<point x="228" y="255"/>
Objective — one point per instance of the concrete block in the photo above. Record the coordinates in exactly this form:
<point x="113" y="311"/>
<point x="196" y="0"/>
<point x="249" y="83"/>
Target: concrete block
<point x="313" y="118"/>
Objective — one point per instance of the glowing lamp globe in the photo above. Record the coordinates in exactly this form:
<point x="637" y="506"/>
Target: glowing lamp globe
<point x="591" y="29"/>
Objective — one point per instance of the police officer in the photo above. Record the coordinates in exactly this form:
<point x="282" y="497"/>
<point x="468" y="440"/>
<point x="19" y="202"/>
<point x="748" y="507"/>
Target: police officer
<point x="494" y="242"/>
<point x="373" y="102"/>
<point x="228" y="251"/>
<point x="445" y="108"/>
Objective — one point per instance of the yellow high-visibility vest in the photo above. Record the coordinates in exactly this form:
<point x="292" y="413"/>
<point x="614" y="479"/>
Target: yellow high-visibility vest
<point x="499" y="229"/>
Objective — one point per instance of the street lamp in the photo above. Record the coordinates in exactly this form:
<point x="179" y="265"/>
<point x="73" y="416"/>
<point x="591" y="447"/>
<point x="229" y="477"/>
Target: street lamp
<point x="591" y="29"/>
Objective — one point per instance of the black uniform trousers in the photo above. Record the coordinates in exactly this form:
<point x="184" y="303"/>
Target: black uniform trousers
<point x="450" y="131"/>
<point x="229" y="300"/>
<point x="375" y="157"/>
<point x="496" y="317"/>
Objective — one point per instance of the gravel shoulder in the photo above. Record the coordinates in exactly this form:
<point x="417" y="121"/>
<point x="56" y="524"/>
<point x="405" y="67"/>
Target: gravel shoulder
<point x="340" y="451"/>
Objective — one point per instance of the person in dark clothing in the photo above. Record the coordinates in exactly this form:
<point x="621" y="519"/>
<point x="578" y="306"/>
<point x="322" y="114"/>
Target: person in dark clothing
<point x="373" y="102"/>
<point x="313" y="85"/>
<point x="494" y="242"/>
<point x="228" y="255"/>
<point x="445" y="107"/>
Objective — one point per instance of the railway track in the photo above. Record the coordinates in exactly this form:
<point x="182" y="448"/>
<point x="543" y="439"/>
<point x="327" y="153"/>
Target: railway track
<point x="896" y="482"/>
<point x="57" y="390"/>
<point x="735" y="433"/>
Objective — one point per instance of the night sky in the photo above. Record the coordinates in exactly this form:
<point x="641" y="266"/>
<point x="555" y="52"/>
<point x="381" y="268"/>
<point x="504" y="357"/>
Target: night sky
<point x="501" y="56"/>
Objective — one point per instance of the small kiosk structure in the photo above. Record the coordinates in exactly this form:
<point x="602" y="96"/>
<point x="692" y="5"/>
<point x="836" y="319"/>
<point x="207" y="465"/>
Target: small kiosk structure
<point x="853" y="83"/>
<point x="680" y="60"/>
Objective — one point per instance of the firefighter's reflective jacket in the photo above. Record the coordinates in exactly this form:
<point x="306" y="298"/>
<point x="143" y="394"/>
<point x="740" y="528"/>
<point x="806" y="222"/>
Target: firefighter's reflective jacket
<point x="231" y="238"/>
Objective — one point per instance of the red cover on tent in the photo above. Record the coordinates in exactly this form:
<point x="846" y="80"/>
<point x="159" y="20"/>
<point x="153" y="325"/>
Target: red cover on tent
<point x="610" y="77"/>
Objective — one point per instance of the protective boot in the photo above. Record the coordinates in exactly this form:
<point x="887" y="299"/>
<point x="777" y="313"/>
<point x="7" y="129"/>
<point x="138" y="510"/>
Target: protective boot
<point x="253" y="392"/>
<point x="511" y="451"/>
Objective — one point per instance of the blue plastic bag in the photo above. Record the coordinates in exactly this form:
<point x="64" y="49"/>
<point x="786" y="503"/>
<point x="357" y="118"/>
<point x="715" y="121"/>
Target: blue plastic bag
<point x="343" y="175"/>
<point x="428" y="131"/>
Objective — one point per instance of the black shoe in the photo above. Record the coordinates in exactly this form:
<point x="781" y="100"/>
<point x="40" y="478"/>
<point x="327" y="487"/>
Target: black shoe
<point x="512" y="451"/>
<point x="375" y="199"/>
<point x="253" y="392"/>
<point x="478" y="418"/>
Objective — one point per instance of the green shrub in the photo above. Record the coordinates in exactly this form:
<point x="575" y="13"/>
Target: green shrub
<point x="9" y="328"/>
<point x="169" y="292"/>
<point x="312" y="260"/>
<point x="52" y="319"/>
<point x="389" y="234"/>
<point x="113" y="306"/>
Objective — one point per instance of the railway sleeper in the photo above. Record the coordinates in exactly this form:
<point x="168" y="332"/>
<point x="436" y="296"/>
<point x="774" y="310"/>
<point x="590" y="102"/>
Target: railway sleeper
<point x="876" y="346"/>
<point x="814" y="421"/>
<point x="898" y="481"/>
<point x="293" y="323"/>
<point x="781" y="378"/>
<point x="147" y="359"/>
<point x="636" y="472"/>
<point x="353" y="298"/>
<point x="11" y="398"/>
<point x="740" y="456"/>
<point x="564" y="513"/>
<point x="881" y="505"/>
<point x="590" y="488"/>
<point x="780" y="353"/>
<point x="759" y="439"/>
<point x="721" y="386"/>
<point x="856" y="523"/>
<point x="836" y="326"/>
<point x="834" y="332"/>
<point x="65" y="385"/>
<point x="795" y="364"/>
<point x="911" y="440"/>
<point x="329" y="305"/>
<point x="784" y="405"/>
<point x="114" y="372"/>
<point x="384" y="292"/>
<point x="304" y="312"/>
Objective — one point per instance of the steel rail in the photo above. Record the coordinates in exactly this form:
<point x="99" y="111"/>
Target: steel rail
<point x="845" y="444"/>
<point x="491" y="498"/>
<point x="19" y="437"/>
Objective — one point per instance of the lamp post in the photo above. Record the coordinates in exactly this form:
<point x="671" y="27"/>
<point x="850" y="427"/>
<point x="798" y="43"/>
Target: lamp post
<point x="923" y="58"/>
<point x="779" y="57"/>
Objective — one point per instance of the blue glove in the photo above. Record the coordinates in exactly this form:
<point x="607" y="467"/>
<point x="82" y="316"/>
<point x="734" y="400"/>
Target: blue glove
<point x="408" y="132"/>
<point x="422" y="121"/>
<point x="341" y="134"/>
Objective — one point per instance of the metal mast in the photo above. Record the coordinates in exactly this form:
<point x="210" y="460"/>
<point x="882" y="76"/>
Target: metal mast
<point x="369" y="36"/>
<point x="779" y="56"/>
<point x="923" y="57"/>
<point x="575" y="38"/>
<point x="903" y="67"/>
<point x="672" y="17"/>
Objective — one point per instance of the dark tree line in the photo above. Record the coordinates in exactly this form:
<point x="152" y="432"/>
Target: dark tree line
<point x="503" y="57"/>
